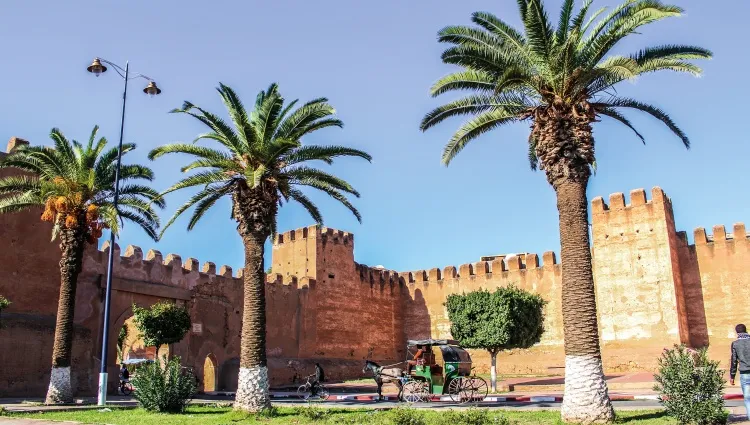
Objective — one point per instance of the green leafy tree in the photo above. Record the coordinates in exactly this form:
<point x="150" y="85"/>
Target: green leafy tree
<point x="162" y="323"/>
<point x="121" y="338"/>
<point x="560" y="80"/>
<point x="258" y="162"/>
<point x="74" y="184"/>
<point x="495" y="321"/>
<point x="4" y="303"/>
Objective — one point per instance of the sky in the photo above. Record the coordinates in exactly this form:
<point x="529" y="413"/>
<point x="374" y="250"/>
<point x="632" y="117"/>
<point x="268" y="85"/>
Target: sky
<point x="375" y="61"/>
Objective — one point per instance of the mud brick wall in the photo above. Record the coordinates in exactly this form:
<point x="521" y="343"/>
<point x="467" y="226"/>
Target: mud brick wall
<point x="425" y="315"/>
<point x="653" y="287"/>
<point x="721" y="263"/>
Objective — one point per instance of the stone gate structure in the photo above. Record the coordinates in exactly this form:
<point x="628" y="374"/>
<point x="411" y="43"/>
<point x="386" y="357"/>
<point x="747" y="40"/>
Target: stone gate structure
<point x="653" y="289"/>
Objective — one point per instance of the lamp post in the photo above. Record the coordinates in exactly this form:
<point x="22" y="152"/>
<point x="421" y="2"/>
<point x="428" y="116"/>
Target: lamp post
<point x="97" y="68"/>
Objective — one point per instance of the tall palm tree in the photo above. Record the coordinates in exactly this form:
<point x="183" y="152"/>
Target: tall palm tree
<point x="561" y="80"/>
<point x="260" y="163"/>
<point x="74" y="184"/>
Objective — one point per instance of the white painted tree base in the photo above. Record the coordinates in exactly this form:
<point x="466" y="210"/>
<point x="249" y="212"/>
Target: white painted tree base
<point x="60" y="390"/>
<point x="586" y="399"/>
<point x="253" y="393"/>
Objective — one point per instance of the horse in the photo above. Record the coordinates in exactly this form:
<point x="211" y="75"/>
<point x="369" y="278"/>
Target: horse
<point x="385" y="375"/>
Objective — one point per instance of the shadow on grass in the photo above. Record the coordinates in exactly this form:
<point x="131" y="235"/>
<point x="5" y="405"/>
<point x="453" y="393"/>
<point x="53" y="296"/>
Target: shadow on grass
<point x="642" y="417"/>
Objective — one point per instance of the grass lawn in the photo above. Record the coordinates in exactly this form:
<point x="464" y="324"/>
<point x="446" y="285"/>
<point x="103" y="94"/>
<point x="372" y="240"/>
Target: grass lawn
<point x="225" y="416"/>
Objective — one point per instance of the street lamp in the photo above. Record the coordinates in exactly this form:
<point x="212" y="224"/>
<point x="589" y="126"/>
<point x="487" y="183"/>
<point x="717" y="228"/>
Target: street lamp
<point x="151" y="89"/>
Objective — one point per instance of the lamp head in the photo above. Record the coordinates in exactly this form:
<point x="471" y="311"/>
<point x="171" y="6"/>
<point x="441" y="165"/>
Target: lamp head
<point x="96" y="67"/>
<point x="151" y="89"/>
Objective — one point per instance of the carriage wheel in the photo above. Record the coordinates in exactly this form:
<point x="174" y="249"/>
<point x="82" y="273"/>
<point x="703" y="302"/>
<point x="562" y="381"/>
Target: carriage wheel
<point x="415" y="391"/>
<point x="480" y="387"/>
<point x="461" y="390"/>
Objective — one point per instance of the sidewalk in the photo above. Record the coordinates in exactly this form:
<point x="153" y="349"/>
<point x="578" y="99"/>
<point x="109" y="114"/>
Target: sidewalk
<point x="622" y="387"/>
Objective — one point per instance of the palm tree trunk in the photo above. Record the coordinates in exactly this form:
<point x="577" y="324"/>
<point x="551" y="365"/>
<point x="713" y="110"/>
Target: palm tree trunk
<point x="586" y="399"/>
<point x="72" y="244"/>
<point x="253" y="387"/>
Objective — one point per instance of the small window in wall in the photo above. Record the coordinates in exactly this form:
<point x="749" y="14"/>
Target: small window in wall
<point x="331" y="275"/>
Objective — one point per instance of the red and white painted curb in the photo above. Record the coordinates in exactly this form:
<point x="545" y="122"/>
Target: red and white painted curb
<point x="489" y="399"/>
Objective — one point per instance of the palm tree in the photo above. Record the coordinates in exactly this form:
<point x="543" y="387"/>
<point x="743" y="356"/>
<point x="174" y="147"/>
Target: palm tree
<point x="74" y="184"/>
<point x="561" y="80"/>
<point x="260" y="163"/>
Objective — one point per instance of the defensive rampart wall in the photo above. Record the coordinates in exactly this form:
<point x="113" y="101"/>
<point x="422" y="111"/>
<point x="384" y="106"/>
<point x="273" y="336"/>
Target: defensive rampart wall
<point x="653" y="289"/>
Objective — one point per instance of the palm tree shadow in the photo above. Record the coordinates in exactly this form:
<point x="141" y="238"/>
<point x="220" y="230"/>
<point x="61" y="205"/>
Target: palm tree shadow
<point x="641" y="417"/>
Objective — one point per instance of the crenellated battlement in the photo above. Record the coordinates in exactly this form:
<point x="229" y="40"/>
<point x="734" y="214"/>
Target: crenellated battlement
<point x="498" y="264"/>
<point x="325" y="234"/>
<point x="377" y="275"/>
<point x="173" y="271"/>
<point x="720" y="234"/>
<point x="277" y="279"/>
<point x="637" y="199"/>
<point x="155" y="268"/>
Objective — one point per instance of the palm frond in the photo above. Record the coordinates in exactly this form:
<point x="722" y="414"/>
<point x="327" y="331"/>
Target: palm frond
<point x="612" y="113"/>
<point x="576" y="22"/>
<point x="474" y="128"/>
<point x="512" y="38"/>
<point x="538" y="29"/>
<point x="637" y="14"/>
<point x="303" y="175"/>
<point x="671" y="51"/>
<point x="333" y="193"/>
<point x="533" y="160"/>
<point x="146" y="192"/>
<point x="228" y="137"/>
<point x="468" y="79"/>
<point x="206" y="193"/>
<point x="322" y="153"/>
<point x="199" y="179"/>
<point x="510" y="105"/>
<point x="189" y="149"/>
<point x="13" y="184"/>
<point x="19" y="202"/>
<point x="311" y="208"/>
<point x="621" y="102"/>
<point x="563" y="25"/>
<point x="143" y="222"/>
<point x="304" y="116"/>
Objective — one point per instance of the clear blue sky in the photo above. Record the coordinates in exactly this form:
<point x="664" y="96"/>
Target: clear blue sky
<point x="375" y="62"/>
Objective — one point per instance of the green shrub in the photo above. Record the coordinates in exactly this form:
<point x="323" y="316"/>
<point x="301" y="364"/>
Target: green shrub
<point x="268" y="413"/>
<point x="164" y="389"/>
<point x="312" y="413"/>
<point x="472" y="416"/>
<point x="406" y="416"/>
<point x="690" y="386"/>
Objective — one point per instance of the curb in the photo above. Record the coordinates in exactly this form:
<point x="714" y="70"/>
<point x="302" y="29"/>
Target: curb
<point x="489" y="398"/>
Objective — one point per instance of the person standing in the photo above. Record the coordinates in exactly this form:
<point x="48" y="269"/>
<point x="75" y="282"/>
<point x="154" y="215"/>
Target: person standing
<point x="741" y="360"/>
<point x="319" y="374"/>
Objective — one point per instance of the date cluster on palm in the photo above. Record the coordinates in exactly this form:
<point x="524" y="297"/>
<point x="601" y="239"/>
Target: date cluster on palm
<point x="71" y="211"/>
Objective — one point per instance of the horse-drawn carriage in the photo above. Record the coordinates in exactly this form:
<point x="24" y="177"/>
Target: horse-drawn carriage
<point x="441" y="368"/>
<point x="444" y="369"/>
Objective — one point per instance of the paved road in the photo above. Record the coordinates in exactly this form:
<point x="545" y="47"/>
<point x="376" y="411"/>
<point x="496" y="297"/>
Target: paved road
<point x="619" y="405"/>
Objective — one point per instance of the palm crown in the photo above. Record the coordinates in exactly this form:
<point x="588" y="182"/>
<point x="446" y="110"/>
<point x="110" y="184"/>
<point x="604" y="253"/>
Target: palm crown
<point x="518" y="76"/>
<point x="263" y="152"/>
<point x="75" y="184"/>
